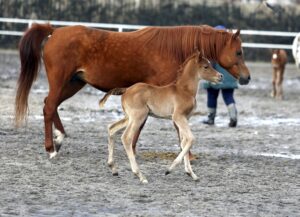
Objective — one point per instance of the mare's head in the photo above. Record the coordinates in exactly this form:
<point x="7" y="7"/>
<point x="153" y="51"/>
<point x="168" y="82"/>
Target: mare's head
<point x="231" y="58"/>
<point x="205" y="69"/>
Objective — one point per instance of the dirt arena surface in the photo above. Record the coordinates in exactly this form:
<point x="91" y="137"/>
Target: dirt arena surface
<point x="252" y="170"/>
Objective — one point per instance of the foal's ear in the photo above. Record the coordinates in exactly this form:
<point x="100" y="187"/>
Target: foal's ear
<point x="198" y="56"/>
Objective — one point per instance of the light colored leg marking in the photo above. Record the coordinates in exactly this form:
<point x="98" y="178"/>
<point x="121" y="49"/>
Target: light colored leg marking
<point x="59" y="136"/>
<point x="52" y="155"/>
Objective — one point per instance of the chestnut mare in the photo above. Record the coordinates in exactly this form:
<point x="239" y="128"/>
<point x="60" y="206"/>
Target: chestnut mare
<point x="174" y="101"/>
<point x="279" y="59"/>
<point x="76" y="55"/>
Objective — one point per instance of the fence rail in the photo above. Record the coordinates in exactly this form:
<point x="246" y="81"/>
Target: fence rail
<point x="122" y="27"/>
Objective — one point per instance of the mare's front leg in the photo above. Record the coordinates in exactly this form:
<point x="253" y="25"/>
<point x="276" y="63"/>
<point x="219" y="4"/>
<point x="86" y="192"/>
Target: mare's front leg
<point x="187" y="139"/>
<point x="112" y="130"/>
<point x="127" y="139"/>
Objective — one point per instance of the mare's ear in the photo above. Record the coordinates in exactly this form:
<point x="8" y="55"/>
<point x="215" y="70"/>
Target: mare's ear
<point x="237" y="34"/>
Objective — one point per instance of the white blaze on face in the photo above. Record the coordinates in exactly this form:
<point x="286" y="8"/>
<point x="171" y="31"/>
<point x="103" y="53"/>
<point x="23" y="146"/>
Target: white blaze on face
<point x="274" y="56"/>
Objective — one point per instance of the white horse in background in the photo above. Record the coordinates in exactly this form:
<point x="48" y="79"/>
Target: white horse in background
<point x="296" y="50"/>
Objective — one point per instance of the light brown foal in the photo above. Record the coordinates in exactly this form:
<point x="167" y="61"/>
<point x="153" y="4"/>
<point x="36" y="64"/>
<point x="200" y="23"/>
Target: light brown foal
<point x="279" y="59"/>
<point x="175" y="101"/>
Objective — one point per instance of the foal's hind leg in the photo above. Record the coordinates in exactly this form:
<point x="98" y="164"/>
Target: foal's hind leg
<point x="136" y="136"/>
<point x="112" y="130"/>
<point x="127" y="139"/>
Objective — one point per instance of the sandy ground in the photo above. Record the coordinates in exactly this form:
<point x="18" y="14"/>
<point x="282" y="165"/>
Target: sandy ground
<point x="252" y="170"/>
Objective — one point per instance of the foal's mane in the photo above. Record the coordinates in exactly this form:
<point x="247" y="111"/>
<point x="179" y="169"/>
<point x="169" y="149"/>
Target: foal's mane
<point x="181" y="41"/>
<point x="196" y="54"/>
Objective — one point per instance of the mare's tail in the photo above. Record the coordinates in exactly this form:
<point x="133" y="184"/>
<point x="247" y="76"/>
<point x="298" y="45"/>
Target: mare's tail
<point x="30" y="57"/>
<point x="115" y="91"/>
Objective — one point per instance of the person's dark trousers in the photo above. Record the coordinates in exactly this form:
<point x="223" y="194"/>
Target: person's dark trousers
<point x="212" y="99"/>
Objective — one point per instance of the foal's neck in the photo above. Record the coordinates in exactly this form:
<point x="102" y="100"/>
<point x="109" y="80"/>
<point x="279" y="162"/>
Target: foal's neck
<point x="188" y="80"/>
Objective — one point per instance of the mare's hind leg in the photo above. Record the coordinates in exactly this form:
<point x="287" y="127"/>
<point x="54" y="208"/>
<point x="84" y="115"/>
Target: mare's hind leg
<point x="68" y="91"/>
<point x="112" y="130"/>
<point x="56" y="96"/>
<point x="127" y="139"/>
<point x="59" y="130"/>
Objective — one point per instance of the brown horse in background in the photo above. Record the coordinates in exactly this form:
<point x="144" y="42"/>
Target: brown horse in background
<point x="77" y="55"/>
<point x="279" y="60"/>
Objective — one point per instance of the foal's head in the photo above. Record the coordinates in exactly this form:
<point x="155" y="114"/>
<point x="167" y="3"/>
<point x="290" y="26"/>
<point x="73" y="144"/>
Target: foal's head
<point x="205" y="70"/>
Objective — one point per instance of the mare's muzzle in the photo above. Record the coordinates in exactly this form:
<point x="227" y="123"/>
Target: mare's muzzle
<point x="244" y="80"/>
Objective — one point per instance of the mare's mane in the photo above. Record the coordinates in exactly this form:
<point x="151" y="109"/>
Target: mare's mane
<point x="181" y="41"/>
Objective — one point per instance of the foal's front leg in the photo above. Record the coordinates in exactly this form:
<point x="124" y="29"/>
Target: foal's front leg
<point x="186" y="144"/>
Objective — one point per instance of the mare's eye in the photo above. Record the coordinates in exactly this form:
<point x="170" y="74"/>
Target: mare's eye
<point x="239" y="53"/>
<point x="206" y="67"/>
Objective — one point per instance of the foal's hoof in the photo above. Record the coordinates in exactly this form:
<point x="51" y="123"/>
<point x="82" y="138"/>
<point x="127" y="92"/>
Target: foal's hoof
<point x="52" y="154"/>
<point x="167" y="172"/>
<point x="115" y="173"/>
<point x="194" y="177"/>
<point x="144" y="181"/>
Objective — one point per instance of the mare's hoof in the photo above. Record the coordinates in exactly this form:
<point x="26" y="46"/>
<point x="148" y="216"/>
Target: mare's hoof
<point x="115" y="173"/>
<point x="57" y="147"/>
<point x="52" y="154"/>
<point x="167" y="172"/>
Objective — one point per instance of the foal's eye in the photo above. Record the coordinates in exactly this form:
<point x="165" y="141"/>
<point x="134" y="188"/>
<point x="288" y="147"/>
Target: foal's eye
<point x="206" y="67"/>
<point x="239" y="53"/>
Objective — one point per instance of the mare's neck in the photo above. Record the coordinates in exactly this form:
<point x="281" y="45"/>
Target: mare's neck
<point x="188" y="81"/>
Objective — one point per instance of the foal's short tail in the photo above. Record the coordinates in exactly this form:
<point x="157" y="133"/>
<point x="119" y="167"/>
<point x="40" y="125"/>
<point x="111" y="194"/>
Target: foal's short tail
<point x="115" y="91"/>
<point x="30" y="56"/>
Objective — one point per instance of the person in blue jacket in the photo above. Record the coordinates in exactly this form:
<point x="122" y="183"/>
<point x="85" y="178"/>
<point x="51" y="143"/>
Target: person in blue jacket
<point x="227" y="88"/>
